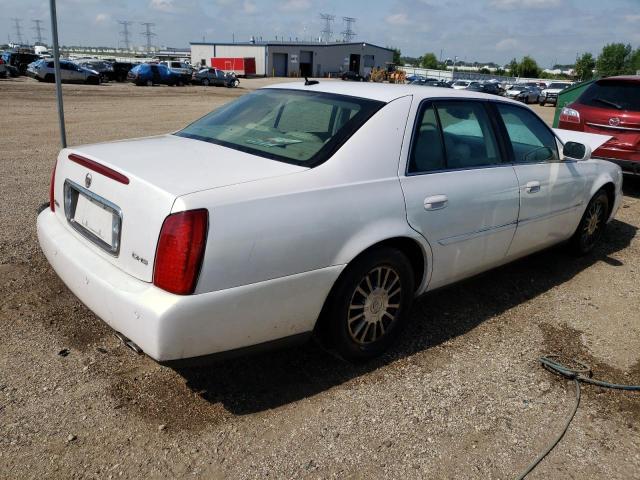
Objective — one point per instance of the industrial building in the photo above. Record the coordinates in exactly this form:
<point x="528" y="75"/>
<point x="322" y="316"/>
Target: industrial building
<point x="292" y="59"/>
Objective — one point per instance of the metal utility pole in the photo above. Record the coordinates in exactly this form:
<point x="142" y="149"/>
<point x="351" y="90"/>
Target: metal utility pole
<point x="18" y="28"/>
<point x="148" y="34"/>
<point x="125" y="33"/>
<point x="327" y="32"/>
<point x="348" y="33"/>
<point x="37" y="26"/>
<point x="56" y="64"/>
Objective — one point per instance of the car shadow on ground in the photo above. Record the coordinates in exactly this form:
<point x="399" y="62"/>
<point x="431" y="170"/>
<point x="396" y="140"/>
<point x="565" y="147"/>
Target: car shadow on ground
<point x="631" y="186"/>
<point x="258" y="383"/>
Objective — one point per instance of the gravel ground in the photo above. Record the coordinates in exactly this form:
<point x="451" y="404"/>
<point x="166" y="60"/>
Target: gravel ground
<point x="461" y="396"/>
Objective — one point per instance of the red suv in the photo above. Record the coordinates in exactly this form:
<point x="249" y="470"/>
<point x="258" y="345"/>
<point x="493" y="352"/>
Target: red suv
<point x="610" y="106"/>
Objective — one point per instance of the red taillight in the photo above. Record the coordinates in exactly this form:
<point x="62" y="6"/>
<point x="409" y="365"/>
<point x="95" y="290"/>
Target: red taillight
<point x="180" y="251"/>
<point x="98" y="167"/>
<point x="52" y="201"/>
<point x="569" y="115"/>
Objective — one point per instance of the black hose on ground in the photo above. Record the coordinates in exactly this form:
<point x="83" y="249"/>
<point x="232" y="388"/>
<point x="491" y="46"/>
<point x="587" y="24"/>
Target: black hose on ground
<point x="581" y="373"/>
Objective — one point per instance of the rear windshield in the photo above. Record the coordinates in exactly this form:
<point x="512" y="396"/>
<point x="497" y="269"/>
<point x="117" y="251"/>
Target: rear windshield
<point x="304" y="128"/>
<point x="613" y="94"/>
<point x="558" y="85"/>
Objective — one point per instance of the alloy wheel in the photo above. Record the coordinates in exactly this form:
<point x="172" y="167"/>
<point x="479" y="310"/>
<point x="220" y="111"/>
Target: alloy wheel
<point x="374" y="305"/>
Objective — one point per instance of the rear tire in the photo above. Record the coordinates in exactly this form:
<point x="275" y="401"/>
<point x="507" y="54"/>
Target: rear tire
<point x="205" y="82"/>
<point x="592" y="225"/>
<point x="369" y="304"/>
<point x="149" y="83"/>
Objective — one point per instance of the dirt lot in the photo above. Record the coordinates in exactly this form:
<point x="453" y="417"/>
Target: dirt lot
<point x="462" y="395"/>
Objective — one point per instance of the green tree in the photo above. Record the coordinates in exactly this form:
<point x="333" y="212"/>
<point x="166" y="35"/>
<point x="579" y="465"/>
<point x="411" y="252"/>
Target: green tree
<point x="615" y="59"/>
<point x="584" y="67"/>
<point x="634" y="61"/>
<point x="528" y="67"/>
<point x="397" y="55"/>
<point x="429" y="60"/>
<point x="512" y="66"/>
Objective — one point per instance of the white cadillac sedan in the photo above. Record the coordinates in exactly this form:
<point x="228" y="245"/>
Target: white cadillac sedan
<point x="305" y="208"/>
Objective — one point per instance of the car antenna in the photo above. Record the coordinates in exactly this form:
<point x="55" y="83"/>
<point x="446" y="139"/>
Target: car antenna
<point x="308" y="82"/>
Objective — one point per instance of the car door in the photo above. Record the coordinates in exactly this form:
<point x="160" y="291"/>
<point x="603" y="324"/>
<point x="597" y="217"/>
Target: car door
<point x="460" y="194"/>
<point x="551" y="190"/>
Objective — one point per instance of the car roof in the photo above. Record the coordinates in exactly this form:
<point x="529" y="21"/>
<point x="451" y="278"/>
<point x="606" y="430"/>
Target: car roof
<point x="386" y="92"/>
<point x="626" y="78"/>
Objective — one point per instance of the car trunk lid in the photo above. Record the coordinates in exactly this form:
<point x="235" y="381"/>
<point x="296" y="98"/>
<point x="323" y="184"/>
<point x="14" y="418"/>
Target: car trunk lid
<point x="115" y="196"/>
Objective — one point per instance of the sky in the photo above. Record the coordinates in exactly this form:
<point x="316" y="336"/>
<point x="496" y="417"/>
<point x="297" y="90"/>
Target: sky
<point x="552" y="31"/>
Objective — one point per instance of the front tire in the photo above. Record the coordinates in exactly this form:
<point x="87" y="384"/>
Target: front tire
<point x="592" y="225"/>
<point x="205" y="82"/>
<point x="369" y="304"/>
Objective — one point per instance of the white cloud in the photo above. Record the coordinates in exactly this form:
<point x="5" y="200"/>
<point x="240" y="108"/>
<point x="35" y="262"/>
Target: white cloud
<point x="397" y="19"/>
<point x="102" y="18"/>
<point x="166" y="6"/>
<point x="518" y="4"/>
<point x="507" y="44"/>
<point x="294" y="6"/>
<point x="632" y="18"/>
<point x="249" y="7"/>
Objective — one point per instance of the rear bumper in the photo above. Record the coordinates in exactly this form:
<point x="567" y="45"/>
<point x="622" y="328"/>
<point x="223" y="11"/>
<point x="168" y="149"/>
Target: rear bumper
<point x="170" y="327"/>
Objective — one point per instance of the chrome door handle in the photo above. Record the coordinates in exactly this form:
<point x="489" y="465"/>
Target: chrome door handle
<point x="435" y="202"/>
<point x="532" y="187"/>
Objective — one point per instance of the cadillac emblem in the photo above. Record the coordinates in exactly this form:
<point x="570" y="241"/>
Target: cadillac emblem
<point x="614" y="121"/>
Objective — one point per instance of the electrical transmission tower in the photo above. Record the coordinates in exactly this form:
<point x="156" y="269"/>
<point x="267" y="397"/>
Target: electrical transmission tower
<point x="327" y="32"/>
<point x="148" y="34"/>
<point x="18" y="29"/>
<point x="348" y="33"/>
<point x="125" y="33"/>
<point x="37" y="26"/>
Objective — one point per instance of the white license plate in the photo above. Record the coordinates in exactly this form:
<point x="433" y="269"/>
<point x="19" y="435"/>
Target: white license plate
<point x="95" y="218"/>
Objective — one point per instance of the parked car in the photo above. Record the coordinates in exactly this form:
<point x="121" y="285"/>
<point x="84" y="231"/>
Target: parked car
<point x="213" y="76"/>
<point x="529" y="95"/>
<point x="610" y="106"/>
<point x="3" y="69"/>
<point x="431" y="83"/>
<point x="19" y="59"/>
<point x="550" y="94"/>
<point x="413" y="78"/>
<point x="44" y="71"/>
<point x="153" y="74"/>
<point x="353" y="76"/>
<point x="121" y="70"/>
<point x="104" y="69"/>
<point x="181" y="68"/>
<point x="460" y="84"/>
<point x="296" y="209"/>
<point x="491" y="88"/>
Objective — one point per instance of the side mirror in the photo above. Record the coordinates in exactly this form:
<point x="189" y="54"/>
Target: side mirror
<point x="576" y="151"/>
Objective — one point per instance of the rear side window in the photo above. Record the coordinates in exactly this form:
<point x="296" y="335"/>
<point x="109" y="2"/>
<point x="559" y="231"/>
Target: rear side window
<point x="453" y="135"/>
<point x="531" y="140"/>
<point x="612" y="94"/>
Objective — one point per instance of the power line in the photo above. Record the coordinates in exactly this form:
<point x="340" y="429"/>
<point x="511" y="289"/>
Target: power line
<point x="125" y="32"/>
<point x="37" y="26"/>
<point x="326" y="33"/>
<point x="348" y="34"/>
<point x="148" y="34"/>
<point x="18" y="29"/>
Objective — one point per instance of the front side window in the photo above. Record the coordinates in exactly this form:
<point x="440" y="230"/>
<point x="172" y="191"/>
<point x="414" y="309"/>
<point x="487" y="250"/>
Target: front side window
<point x="293" y="126"/>
<point x="530" y="138"/>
